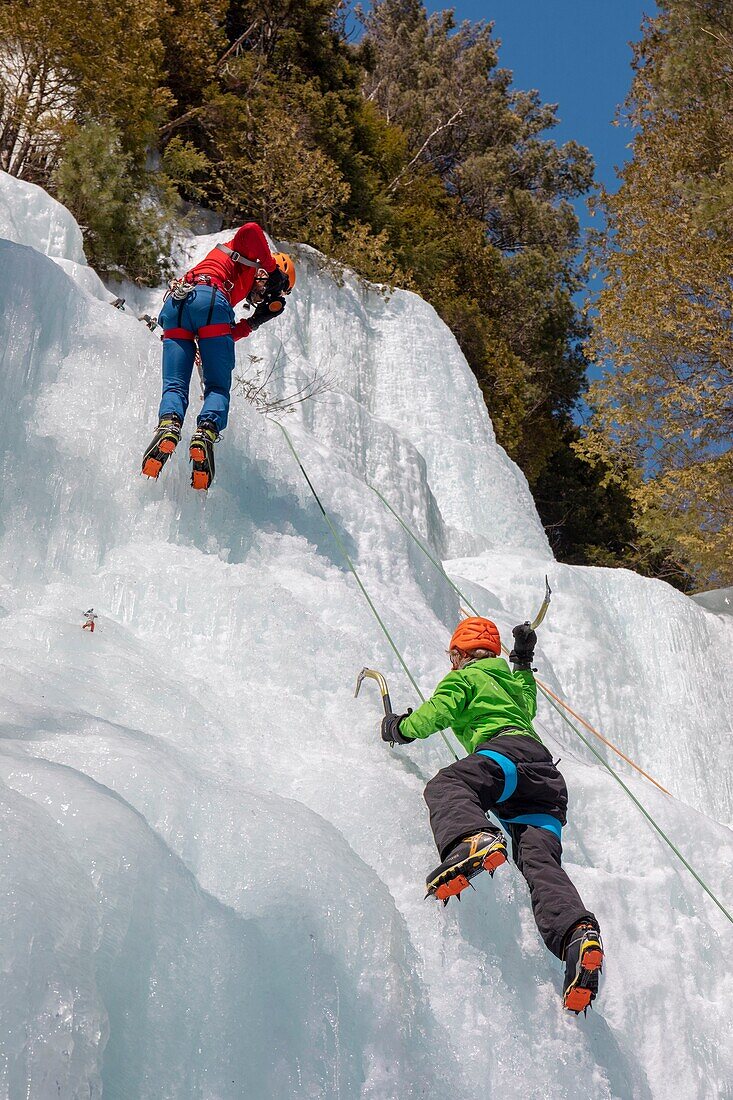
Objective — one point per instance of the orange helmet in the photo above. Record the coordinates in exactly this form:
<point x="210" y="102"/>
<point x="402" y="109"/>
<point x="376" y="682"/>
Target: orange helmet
<point x="287" y="267"/>
<point x="476" y="634"/>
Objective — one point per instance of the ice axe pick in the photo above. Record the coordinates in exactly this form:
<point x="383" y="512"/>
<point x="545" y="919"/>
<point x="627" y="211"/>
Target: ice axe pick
<point x="384" y="691"/>
<point x="543" y="609"/>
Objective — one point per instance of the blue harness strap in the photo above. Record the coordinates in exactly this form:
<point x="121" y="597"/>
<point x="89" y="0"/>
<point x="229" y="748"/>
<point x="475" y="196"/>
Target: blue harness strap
<point x="511" y="778"/>
<point x="509" y="769"/>
<point x="540" y="821"/>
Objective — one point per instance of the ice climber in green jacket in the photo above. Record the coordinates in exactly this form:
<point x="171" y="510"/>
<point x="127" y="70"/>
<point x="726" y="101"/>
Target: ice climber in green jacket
<point x="509" y="771"/>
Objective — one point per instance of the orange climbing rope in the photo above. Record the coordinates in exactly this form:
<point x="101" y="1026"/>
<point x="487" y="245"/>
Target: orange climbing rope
<point x="600" y="736"/>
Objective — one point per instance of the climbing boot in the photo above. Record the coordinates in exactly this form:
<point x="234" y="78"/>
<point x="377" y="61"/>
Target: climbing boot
<point x="163" y="444"/>
<point x="583" y="963"/>
<point x="201" y="453"/>
<point x="484" y="851"/>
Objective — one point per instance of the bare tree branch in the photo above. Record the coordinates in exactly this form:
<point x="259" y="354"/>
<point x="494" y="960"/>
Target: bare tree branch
<point x="235" y="45"/>
<point x="176" y="122"/>
<point x="254" y="388"/>
<point x="423" y="147"/>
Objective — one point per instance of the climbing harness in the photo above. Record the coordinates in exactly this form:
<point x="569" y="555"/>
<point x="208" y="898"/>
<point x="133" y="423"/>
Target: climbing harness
<point x="508" y="767"/>
<point x="205" y="332"/>
<point x="226" y="286"/>
<point x="549" y="695"/>
<point x="540" y="821"/>
<point x="511" y="778"/>
<point x="178" y="289"/>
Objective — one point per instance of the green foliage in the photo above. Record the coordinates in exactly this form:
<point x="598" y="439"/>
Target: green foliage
<point x="591" y="520"/>
<point x="500" y="265"/>
<point x="369" y="253"/>
<point x="185" y="168"/>
<point x="194" y="41"/>
<point x="123" y="230"/>
<point x="662" y="424"/>
<point x="408" y="155"/>
<point x="442" y="84"/>
<point x="80" y="94"/>
<point x="72" y="61"/>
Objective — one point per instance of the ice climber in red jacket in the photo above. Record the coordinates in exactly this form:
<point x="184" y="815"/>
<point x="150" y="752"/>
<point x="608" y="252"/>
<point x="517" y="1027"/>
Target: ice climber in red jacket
<point x="198" y="309"/>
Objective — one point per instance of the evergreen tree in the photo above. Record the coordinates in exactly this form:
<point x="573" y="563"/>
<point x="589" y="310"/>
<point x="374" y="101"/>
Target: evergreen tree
<point x="442" y="84"/>
<point x="80" y="95"/>
<point x="505" y="273"/>
<point x="70" y="61"/>
<point x="664" y="414"/>
<point x="408" y="155"/>
<point x="123" y="230"/>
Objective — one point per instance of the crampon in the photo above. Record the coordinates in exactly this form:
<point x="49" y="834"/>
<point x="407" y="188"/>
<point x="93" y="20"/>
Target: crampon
<point x="482" y="852"/>
<point x="201" y="453"/>
<point x="583" y="965"/>
<point x="163" y="444"/>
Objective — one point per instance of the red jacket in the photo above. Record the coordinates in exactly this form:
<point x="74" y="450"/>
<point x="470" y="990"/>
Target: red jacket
<point x="251" y="242"/>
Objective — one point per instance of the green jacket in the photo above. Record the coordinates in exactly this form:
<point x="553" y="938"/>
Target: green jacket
<point x="478" y="702"/>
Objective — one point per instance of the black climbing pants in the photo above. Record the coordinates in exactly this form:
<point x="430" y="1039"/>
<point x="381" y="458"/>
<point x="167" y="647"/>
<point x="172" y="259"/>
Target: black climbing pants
<point x="459" y="798"/>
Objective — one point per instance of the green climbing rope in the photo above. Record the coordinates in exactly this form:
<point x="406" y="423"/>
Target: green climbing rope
<point x="439" y="566"/>
<point x="339" y="542"/>
<point x="647" y="815"/>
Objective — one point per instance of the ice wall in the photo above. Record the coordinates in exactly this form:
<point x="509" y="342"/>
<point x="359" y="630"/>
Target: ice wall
<point x="210" y="865"/>
<point x="28" y="215"/>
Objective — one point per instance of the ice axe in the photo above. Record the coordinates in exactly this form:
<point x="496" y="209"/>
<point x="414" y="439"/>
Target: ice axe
<point x="374" y="675"/>
<point x="539" y="617"/>
<point x="543" y="609"/>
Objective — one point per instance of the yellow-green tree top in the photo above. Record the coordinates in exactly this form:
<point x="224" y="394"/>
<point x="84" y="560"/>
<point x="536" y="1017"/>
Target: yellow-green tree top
<point x="663" y="410"/>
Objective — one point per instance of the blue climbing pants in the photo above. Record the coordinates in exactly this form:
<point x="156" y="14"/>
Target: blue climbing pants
<point x="205" y="313"/>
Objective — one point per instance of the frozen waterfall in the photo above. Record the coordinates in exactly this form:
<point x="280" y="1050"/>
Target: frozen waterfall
<point x="211" y="867"/>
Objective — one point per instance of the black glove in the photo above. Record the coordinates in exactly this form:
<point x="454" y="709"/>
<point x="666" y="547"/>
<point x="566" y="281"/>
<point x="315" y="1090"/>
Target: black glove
<point x="525" y="639"/>
<point x="276" y="285"/>
<point x="391" y="729"/>
<point x="265" y="312"/>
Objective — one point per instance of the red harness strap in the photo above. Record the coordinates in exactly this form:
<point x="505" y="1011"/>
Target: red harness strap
<point x="208" y="331"/>
<point x="177" y="334"/>
<point x="205" y="332"/>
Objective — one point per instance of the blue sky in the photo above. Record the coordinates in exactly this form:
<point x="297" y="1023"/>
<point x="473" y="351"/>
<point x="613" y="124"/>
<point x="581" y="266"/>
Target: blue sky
<point x="576" y="53"/>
